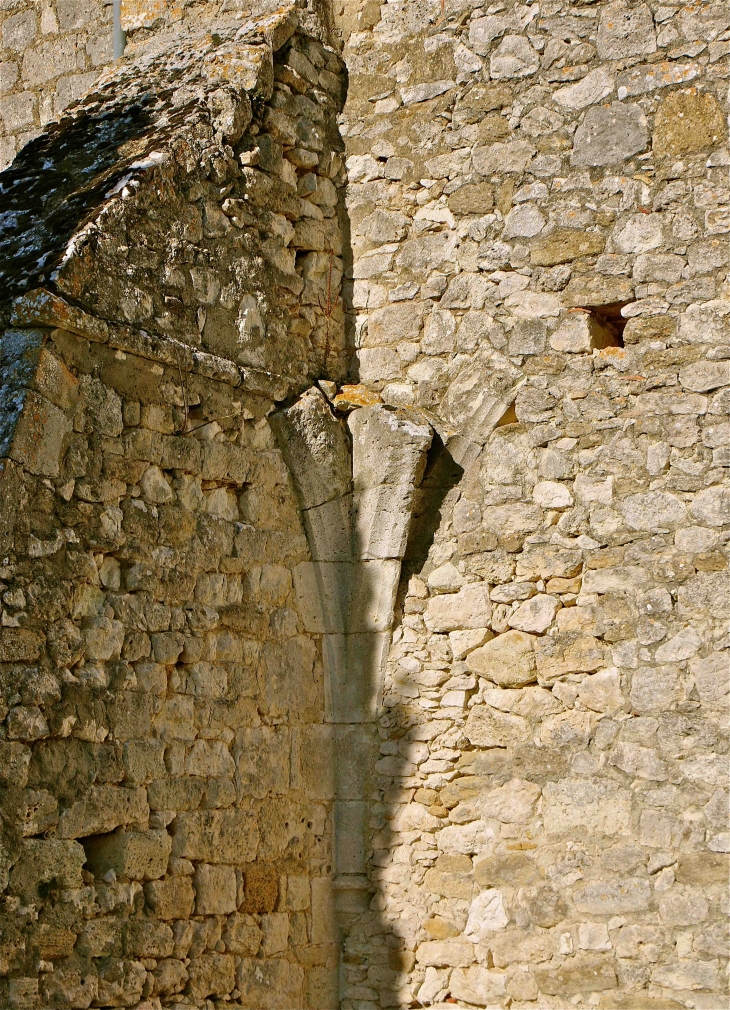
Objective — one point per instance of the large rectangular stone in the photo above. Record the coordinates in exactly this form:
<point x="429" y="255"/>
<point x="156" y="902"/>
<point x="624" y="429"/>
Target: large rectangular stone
<point x="39" y="436"/>
<point x="104" y="809"/>
<point x="216" y="836"/>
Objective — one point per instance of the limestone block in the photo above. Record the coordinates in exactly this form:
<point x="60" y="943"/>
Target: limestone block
<point x="483" y="31"/>
<point x="655" y="689"/>
<point x="566" y="652"/>
<point x="594" y="87"/>
<point x="498" y="158"/>
<point x="702" y="868"/>
<point x="209" y="758"/>
<point x="469" y="608"/>
<point x="478" y="397"/>
<point x="147" y="938"/>
<point x="373" y="595"/>
<point x="313" y="762"/>
<point x="73" y="981"/>
<point x="324" y="591"/>
<point x="580" y="333"/>
<point x="507" y="660"/>
<point x="683" y="645"/>
<point x="487" y="727"/>
<point x="445" y="953"/>
<point x="687" y="121"/>
<point x="172" y="898"/>
<point x="38" y="440"/>
<point x="328" y="528"/>
<point x="131" y="854"/>
<point x="598" y="806"/>
<point x="609" y="135"/>
<point x="639" y="762"/>
<point x="711" y="507"/>
<point x="242" y="935"/>
<point x="705" y="592"/>
<point x="425" y="92"/>
<point x="711" y="679"/>
<point x="322" y="987"/>
<point x="464" y="839"/>
<point x="627" y="580"/>
<point x="523" y="221"/>
<point x="41" y="860"/>
<point x="512" y="803"/>
<point x="270" y="984"/>
<point x="350" y="834"/>
<point x="582" y="973"/>
<point x="291" y="676"/>
<point x="103" y="638"/>
<point x="215" y="889"/>
<point x="514" y="57"/>
<point x="625" y="30"/>
<point x="105" y="808"/>
<point x="275" y="933"/>
<point x="474" y="198"/>
<point x="353" y="667"/>
<point x="211" y="975"/>
<point x="19" y="645"/>
<point x="216" y="836"/>
<point x="314" y="445"/>
<point x="387" y="448"/>
<point x="450" y="877"/>
<point x="324" y="929"/>
<point x="261" y="756"/>
<point x="565" y="244"/>
<point x="382" y="519"/>
<point x="464" y="642"/>
<point x="686" y="975"/>
<point x="613" y="897"/>
<point x="522" y="946"/>
<point x="478" y="985"/>
<point x="602" y="691"/>
<point x="651" y="76"/>
<point x="535" y="615"/>
<point x="175" y="720"/>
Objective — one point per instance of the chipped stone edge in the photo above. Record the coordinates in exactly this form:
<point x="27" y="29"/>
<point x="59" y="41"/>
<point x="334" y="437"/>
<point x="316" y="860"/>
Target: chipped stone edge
<point x="43" y="308"/>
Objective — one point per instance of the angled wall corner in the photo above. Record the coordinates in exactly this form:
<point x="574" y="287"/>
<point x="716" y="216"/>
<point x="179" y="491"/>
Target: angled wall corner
<point x="355" y="483"/>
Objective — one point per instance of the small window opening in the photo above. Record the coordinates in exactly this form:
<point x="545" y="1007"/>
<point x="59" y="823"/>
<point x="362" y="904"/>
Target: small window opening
<point x="509" y="417"/>
<point x="610" y="325"/>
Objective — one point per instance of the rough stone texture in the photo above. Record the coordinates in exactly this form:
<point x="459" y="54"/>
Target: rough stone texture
<point x="50" y="55"/>
<point x="455" y="702"/>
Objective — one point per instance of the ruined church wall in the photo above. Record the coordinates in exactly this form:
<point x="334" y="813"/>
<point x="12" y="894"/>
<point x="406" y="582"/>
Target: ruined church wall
<point x="168" y="794"/>
<point x="535" y="255"/>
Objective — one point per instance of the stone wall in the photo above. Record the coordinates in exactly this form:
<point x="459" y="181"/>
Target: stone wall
<point x="538" y="202"/>
<point x="518" y="744"/>
<point x="167" y="793"/>
<point x="50" y="55"/>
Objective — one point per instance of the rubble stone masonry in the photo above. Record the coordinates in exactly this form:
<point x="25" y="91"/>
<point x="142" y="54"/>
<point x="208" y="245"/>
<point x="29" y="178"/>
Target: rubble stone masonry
<point x="365" y="516"/>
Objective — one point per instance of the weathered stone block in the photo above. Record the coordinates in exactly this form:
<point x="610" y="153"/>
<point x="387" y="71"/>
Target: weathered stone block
<point x="105" y="808"/>
<point x="131" y="854"/>
<point x="469" y="608"/>
<point x="215" y="889"/>
<point x="507" y="660"/>
<point x="687" y="121"/>
<point x="583" y="973"/>
<point x="609" y="135"/>
<point x="172" y="898"/>
<point x="216" y="836"/>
